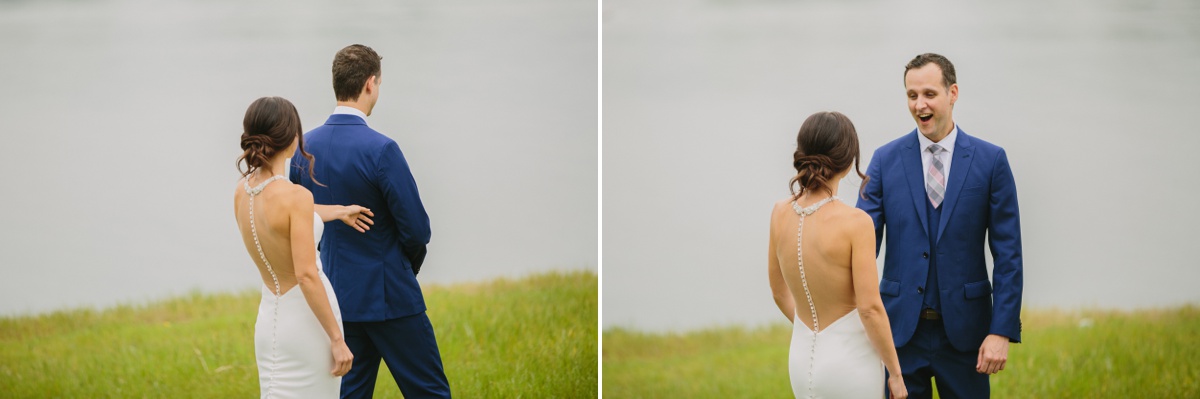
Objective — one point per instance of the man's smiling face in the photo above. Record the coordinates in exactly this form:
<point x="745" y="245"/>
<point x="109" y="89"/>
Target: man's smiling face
<point x="929" y="101"/>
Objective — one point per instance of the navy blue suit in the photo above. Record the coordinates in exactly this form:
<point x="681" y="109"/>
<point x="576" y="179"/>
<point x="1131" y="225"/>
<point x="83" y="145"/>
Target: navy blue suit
<point x="374" y="273"/>
<point x="980" y="207"/>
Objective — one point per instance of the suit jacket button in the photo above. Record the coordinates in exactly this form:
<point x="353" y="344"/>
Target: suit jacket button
<point x="924" y="255"/>
<point x="920" y="290"/>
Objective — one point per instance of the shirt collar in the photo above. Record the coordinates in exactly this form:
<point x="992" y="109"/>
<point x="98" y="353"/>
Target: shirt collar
<point x="946" y="143"/>
<point x="344" y="110"/>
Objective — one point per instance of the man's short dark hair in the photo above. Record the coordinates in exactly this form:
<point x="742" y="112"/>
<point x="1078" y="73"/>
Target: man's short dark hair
<point x="948" y="76"/>
<point x="352" y="66"/>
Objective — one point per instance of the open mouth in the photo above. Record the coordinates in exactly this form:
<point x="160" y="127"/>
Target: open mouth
<point x="925" y="117"/>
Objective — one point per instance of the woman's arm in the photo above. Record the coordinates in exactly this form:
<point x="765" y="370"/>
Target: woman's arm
<point x="779" y="288"/>
<point x="304" y="262"/>
<point x="865" y="277"/>
<point x="352" y="215"/>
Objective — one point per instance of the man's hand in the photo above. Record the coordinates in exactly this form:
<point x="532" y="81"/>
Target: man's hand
<point x="992" y="354"/>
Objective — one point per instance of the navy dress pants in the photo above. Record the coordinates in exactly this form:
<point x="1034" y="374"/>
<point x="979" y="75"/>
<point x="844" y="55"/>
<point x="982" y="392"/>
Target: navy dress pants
<point x="409" y="348"/>
<point x="929" y="355"/>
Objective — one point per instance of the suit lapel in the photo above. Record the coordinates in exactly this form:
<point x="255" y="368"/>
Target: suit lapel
<point x="911" y="159"/>
<point x="960" y="167"/>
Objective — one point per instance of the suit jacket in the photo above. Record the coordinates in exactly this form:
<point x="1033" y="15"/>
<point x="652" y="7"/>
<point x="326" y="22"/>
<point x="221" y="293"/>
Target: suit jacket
<point x="373" y="273"/>
<point x="980" y="201"/>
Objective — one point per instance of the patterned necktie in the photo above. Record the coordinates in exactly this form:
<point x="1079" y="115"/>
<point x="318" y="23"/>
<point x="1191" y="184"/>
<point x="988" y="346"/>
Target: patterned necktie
<point x="935" y="177"/>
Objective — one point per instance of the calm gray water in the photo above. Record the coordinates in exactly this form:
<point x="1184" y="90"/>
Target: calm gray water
<point x="1093" y="101"/>
<point x="119" y="125"/>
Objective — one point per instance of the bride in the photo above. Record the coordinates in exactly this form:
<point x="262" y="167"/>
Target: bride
<point x="298" y="341"/>
<point x="823" y="274"/>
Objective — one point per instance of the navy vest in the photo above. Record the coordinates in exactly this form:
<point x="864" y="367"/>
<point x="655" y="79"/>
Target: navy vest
<point x="933" y="298"/>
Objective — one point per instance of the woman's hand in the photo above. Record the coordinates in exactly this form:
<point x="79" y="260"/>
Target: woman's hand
<point x="357" y="217"/>
<point x="342" y="358"/>
<point x="896" y="386"/>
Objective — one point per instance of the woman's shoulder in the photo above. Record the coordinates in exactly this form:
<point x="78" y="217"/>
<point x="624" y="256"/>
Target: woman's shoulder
<point x="785" y="203"/>
<point x="782" y="208"/>
<point x="239" y="188"/>
<point x="851" y="217"/>
<point x="295" y="196"/>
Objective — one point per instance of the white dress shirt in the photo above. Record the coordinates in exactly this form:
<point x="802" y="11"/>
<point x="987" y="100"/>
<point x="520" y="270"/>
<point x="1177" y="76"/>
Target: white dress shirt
<point x="946" y="157"/>
<point x="344" y="110"/>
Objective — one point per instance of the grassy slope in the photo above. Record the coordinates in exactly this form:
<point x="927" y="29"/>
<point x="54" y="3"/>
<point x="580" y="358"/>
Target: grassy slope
<point x="1065" y="354"/>
<point x="506" y="338"/>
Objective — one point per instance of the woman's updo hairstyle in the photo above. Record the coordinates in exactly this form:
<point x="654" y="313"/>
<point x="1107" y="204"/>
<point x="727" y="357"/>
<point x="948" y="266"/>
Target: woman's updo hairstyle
<point x="826" y="146"/>
<point x="270" y="126"/>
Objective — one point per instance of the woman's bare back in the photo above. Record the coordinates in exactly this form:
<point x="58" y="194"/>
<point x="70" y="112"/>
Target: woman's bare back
<point x="827" y="258"/>
<point x="272" y="218"/>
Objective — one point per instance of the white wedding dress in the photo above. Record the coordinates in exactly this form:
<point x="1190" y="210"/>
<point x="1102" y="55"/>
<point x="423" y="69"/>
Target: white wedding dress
<point x="292" y="349"/>
<point x="837" y="361"/>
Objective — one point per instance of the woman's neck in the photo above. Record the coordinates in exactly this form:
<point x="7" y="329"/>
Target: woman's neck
<point x="814" y="196"/>
<point x="277" y="166"/>
<point x="834" y="184"/>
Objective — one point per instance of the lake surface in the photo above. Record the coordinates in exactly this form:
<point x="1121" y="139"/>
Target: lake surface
<point x="1094" y="103"/>
<point x="119" y="126"/>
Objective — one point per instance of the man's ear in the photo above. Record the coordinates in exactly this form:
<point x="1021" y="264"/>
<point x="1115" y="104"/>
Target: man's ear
<point x="370" y="85"/>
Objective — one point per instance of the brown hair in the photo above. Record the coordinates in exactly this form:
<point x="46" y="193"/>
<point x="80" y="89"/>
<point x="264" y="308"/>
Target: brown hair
<point x="826" y="145"/>
<point x="352" y="66"/>
<point x="948" y="76"/>
<point x="270" y="126"/>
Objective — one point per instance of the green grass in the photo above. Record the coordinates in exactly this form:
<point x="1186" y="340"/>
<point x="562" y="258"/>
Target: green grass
<point x="533" y="337"/>
<point x="1082" y="354"/>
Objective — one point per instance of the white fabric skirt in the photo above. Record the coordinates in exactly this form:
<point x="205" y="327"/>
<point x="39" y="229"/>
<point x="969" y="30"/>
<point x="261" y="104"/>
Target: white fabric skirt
<point x="293" y="352"/>
<point x="844" y="364"/>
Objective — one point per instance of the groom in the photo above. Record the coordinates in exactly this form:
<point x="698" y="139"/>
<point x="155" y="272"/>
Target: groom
<point x="373" y="274"/>
<point x="939" y="192"/>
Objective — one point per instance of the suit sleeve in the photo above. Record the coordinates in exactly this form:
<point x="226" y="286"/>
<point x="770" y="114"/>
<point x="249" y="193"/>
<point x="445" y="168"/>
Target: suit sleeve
<point x="400" y="191"/>
<point x="1004" y="238"/>
<point x="871" y="199"/>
